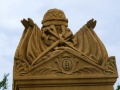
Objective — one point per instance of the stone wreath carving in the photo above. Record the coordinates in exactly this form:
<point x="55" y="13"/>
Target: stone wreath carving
<point x="63" y="52"/>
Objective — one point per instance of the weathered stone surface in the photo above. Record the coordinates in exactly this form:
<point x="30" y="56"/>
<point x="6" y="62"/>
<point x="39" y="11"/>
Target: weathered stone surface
<point x="52" y="58"/>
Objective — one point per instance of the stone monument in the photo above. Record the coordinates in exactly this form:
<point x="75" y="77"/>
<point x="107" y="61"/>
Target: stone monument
<point x="52" y="58"/>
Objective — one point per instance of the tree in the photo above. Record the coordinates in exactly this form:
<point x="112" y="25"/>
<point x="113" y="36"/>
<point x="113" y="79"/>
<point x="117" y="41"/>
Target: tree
<point x="4" y="82"/>
<point x="118" y="87"/>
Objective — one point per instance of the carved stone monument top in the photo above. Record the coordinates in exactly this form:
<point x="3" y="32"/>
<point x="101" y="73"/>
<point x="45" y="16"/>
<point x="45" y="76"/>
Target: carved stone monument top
<point x="53" y="51"/>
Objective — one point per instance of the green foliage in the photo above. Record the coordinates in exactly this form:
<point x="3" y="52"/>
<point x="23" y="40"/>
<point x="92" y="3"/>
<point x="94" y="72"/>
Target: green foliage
<point x="4" y="82"/>
<point x="118" y="87"/>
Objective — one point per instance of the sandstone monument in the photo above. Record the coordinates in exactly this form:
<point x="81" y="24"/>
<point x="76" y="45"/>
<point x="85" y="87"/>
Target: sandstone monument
<point x="52" y="58"/>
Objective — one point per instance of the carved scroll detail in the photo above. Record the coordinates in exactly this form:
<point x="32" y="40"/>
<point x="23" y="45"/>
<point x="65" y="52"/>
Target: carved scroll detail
<point x="21" y="67"/>
<point x="88" y="69"/>
<point x="110" y="66"/>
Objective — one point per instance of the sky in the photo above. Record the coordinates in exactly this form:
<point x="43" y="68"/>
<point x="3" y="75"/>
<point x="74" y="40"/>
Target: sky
<point x="78" y="12"/>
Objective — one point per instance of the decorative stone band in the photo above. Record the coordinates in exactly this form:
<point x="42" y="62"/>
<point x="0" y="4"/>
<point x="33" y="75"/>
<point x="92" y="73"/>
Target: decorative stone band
<point x="55" y="22"/>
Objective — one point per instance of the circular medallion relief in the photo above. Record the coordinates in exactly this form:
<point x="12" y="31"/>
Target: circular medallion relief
<point x="67" y="64"/>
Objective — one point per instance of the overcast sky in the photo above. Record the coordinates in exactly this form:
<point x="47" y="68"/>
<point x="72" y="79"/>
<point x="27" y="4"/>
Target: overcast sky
<point x="78" y="12"/>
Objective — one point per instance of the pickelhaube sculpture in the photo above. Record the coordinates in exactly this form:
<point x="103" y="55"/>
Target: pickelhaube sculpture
<point x="53" y="58"/>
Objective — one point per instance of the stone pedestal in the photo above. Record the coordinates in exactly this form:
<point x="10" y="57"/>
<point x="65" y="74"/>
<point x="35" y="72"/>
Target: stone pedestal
<point x="65" y="83"/>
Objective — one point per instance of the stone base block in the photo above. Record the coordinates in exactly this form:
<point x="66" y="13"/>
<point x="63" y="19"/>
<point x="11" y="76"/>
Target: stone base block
<point x="64" y="83"/>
